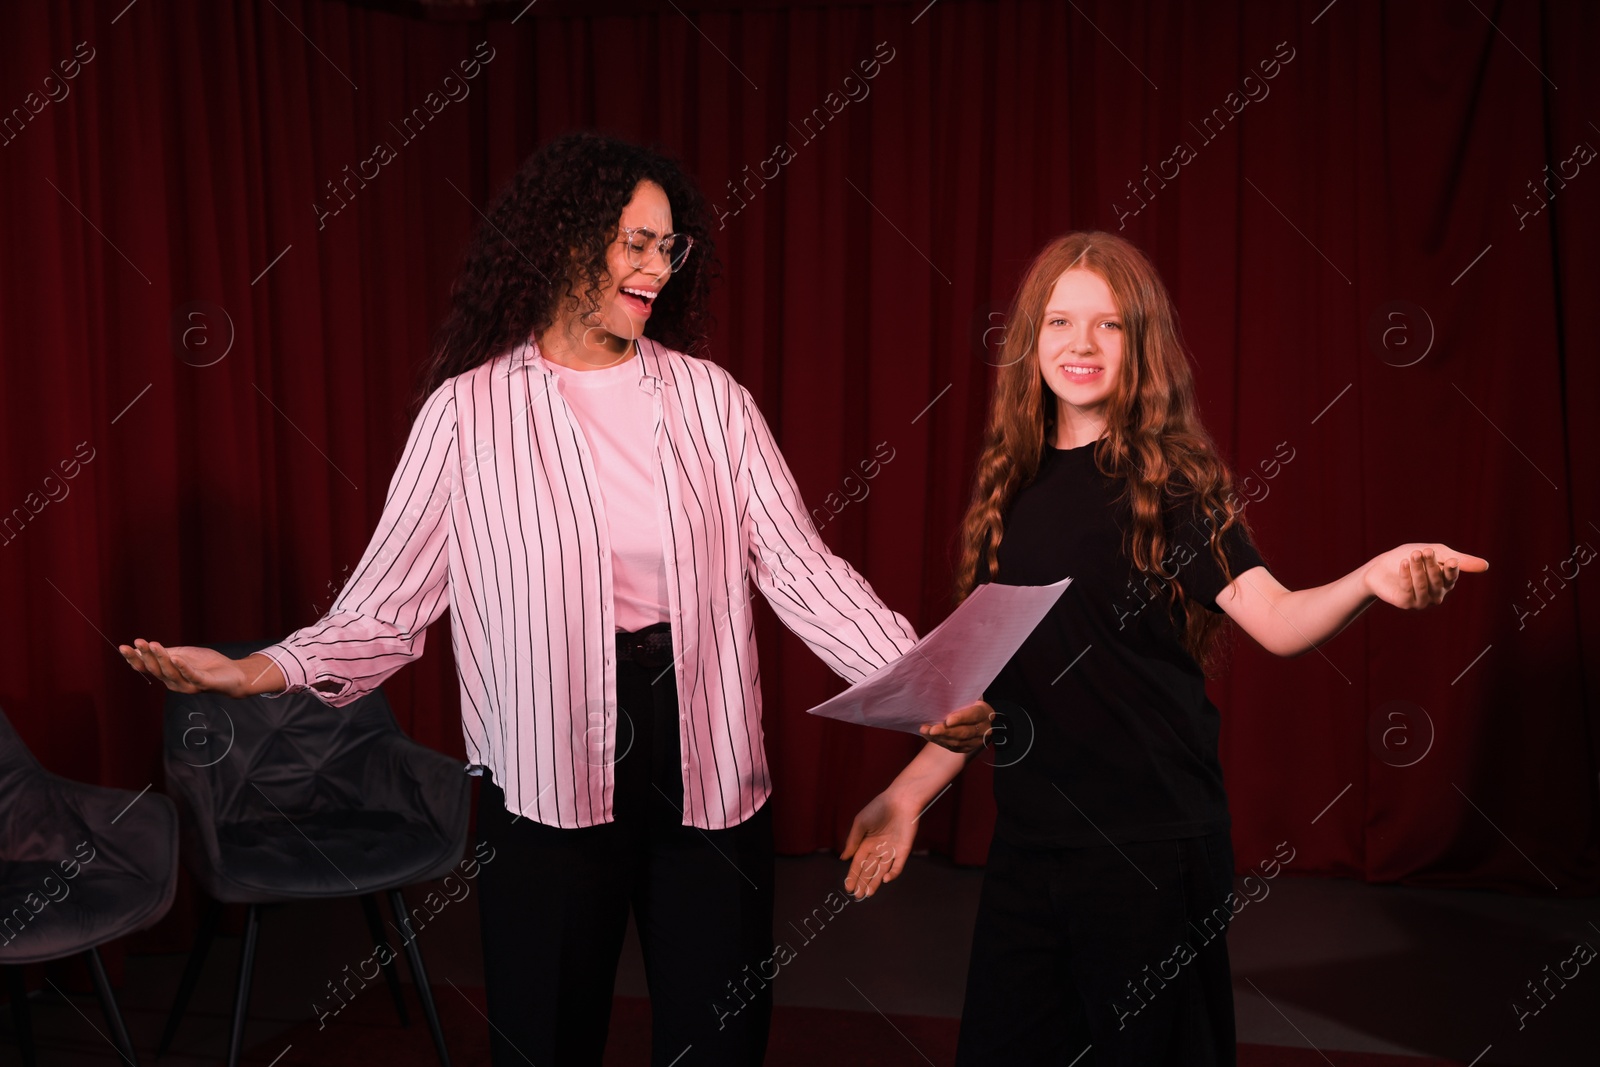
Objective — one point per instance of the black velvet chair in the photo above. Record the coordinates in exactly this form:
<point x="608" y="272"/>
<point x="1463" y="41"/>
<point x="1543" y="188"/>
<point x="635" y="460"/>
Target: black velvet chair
<point x="80" y="865"/>
<point x="289" y="799"/>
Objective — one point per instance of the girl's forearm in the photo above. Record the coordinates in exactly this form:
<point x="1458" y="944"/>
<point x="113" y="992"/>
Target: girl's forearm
<point x="1302" y="619"/>
<point x="925" y="777"/>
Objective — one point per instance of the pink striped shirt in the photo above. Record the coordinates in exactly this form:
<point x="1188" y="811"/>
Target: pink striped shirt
<point x="495" y="511"/>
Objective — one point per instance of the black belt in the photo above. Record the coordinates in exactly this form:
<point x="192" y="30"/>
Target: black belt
<point x="649" y="647"/>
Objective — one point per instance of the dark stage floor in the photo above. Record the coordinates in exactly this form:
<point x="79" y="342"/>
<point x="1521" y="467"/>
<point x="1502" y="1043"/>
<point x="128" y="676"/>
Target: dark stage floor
<point x="1333" y="966"/>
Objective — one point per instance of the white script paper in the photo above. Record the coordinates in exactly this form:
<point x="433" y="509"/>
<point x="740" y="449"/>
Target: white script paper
<point x="953" y="663"/>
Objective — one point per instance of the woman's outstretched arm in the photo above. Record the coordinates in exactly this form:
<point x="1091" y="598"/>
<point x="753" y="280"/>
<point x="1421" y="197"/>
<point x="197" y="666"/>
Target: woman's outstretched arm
<point x="196" y="669"/>
<point x="817" y="595"/>
<point x="1288" y="622"/>
<point x="378" y="621"/>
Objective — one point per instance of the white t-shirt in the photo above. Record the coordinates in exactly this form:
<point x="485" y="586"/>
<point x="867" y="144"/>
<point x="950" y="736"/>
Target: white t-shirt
<point x="616" y="413"/>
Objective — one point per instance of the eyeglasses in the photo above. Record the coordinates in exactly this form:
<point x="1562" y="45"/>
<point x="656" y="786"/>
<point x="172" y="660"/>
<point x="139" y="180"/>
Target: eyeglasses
<point x="641" y="242"/>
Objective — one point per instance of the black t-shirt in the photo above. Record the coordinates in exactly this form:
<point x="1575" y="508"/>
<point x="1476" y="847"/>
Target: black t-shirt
<point x="1103" y="727"/>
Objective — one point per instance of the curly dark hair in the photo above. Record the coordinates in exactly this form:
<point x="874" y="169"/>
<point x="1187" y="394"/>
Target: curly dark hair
<point x="547" y="232"/>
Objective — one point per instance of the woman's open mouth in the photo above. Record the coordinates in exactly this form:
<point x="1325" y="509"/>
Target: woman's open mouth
<point x="639" y="300"/>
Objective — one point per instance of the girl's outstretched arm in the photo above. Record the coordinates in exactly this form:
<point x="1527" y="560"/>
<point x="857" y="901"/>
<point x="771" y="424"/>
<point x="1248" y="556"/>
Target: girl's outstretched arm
<point x="881" y="836"/>
<point x="1288" y="622"/>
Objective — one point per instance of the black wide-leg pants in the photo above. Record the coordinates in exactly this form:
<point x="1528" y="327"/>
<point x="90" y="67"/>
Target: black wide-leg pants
<point x="1113" y="956"/>
<point x="554" y="909"/>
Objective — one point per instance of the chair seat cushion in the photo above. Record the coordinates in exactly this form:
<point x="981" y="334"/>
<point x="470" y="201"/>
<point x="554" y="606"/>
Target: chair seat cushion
<point x="48" y="916"/>
<point x="327" y="853"/>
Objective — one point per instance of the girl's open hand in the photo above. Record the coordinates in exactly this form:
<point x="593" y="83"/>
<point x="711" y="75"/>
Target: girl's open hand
<point x="1418" y="575"/>
<point x="879" y="842"/>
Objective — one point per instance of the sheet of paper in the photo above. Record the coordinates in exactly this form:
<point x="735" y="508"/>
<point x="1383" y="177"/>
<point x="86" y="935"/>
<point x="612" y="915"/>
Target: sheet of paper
<point x="953" y="663"/>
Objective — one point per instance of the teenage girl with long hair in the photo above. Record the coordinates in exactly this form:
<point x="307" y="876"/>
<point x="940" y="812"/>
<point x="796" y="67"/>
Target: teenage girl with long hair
<point x="1111" y="856"/>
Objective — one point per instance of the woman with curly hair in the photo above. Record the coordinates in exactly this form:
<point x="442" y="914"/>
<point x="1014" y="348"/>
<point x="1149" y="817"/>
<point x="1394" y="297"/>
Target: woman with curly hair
<point x="1109" y="881"/>
<point x="592" y="503"/>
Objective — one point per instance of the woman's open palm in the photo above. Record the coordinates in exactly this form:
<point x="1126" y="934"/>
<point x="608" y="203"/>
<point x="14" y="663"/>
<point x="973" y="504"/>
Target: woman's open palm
<point x="187" y="668"/>
<point x="1419" y="575"/>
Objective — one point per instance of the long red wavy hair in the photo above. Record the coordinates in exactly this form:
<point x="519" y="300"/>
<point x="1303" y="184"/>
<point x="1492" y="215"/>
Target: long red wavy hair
<point x="1154" y="441"/>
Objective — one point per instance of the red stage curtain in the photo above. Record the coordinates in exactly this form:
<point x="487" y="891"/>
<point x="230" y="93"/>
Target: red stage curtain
<point x="170" y="199"/>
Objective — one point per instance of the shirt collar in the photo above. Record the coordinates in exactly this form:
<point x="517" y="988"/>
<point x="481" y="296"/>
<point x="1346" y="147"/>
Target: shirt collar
<point x="653" y="364"/>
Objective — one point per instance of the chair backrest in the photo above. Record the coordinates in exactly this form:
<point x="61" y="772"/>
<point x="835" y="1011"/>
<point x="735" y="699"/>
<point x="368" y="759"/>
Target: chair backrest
<point x="30" y="827"/>
<point x="48" y="824"/>
<point x="16" y="761"/>
<point x="239" y="760"/>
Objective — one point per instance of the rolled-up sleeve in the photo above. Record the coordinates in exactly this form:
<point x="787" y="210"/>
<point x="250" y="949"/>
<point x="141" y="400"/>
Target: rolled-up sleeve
<point x="379" y="620"/>
<point x="819" y="596"/>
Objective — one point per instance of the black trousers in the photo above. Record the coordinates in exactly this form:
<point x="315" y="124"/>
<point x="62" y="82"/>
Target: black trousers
<point x="1120" y="950"/>
<point x="554" y="909"/>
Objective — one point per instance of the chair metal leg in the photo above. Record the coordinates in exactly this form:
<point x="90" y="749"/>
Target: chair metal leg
<point x="241" y="1001"/>
<point x="20" y="1015"/>
<point x="391" y="973"/>
<point x="419" y="974"/>
<point x="191" y="973"/>
<point x="108" y="1004"/>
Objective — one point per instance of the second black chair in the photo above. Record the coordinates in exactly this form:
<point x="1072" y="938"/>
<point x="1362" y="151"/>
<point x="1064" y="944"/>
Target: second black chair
<point x="286" y="799"/>
<point x="80" y="865"/>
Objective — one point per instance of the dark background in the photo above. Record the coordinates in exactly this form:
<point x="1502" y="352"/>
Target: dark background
<point x="1361" y="272"/>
